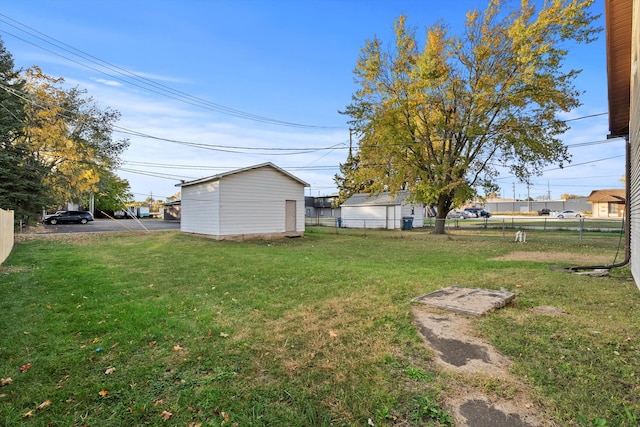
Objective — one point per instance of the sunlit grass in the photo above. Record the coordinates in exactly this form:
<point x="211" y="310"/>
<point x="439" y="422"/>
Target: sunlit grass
<point x="310" y="331"/>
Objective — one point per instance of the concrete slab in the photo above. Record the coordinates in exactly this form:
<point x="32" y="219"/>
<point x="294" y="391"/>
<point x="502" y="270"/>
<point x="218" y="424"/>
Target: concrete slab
<point x="471" y="301"/>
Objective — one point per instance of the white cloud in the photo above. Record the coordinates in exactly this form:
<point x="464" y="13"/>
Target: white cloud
<point x="108" y="82"/>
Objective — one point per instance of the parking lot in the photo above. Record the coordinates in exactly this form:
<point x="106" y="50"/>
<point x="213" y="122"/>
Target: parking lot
<point x="104" y="225"/>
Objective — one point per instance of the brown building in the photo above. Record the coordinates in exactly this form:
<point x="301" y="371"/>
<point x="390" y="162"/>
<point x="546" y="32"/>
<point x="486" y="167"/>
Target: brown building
<point x="607" y="203"/>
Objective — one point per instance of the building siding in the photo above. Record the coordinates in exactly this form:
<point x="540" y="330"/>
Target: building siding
<point x="200" y="208"/>
<point x="603" y="210"/>
<point x="248" y="203"/>
<point x="364" y="216"/>
<point x="634" y="140"/>
<point x="383" y="216"/>
<point x="417" y="212"/>
<point x="254" y="202"/>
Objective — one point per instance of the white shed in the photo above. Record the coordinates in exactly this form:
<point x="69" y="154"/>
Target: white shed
<point x="384" y="210"/>
<point x="261" y="201"/>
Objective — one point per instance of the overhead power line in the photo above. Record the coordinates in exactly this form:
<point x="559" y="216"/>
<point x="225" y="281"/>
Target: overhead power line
<point x="210" y="167"/>
<point x="585" y="117"/>
<point x="134" y="79"/>
<point x="232" y="148"/>
<point x="215" y="147"/>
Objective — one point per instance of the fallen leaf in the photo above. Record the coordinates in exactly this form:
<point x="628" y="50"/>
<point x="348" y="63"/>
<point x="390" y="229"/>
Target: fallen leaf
<point x="28" y="415"/>
<point x="177" y="347"/>
<point x="6" y="381"/>
<point x="25" y="367"/>
<point x="110" y="371"/>
<point x="166" y="415"/>
<point x="152" y="343"/>
<point x="95" y="340"/>
<point x="43" y="405"/>
<point x="103" y="393"/>
<point x="332" y="334"/>
<point x="224" y="334"/>
<point x="158" y="402"/>
<point x="225" y="416"/>
<point x="115" y="345"/>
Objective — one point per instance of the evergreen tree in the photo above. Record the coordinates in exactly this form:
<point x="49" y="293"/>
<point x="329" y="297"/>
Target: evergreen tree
<point x="21" y="176"/>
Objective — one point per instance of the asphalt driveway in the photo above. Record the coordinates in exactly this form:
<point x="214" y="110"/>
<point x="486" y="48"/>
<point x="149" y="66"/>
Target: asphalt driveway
<point x="104" y="225"/>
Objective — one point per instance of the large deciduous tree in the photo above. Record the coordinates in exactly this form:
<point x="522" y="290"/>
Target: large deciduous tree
<point x="113" y="192"/>
<point x="441" y="117"/>
<point x="70" y="136"/>
<point x="348" y="180"/>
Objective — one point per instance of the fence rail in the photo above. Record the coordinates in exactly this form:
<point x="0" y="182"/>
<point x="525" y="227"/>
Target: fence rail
<point x="506" y="225"/>
<point x="6" y="234"/>
<point x="509" y="222"/>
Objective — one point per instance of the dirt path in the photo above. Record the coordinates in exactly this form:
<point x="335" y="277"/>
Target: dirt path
<point x="482" y="392"/>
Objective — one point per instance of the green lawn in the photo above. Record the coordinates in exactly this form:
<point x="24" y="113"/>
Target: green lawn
<point x="172" y="329"/>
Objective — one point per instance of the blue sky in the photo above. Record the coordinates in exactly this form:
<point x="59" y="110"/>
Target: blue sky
<point x="266" y="76"/>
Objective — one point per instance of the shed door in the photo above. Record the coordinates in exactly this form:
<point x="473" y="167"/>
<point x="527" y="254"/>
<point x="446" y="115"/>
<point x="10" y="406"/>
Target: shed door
<point x="391" y="217"/>
<point x="290" y="216"/>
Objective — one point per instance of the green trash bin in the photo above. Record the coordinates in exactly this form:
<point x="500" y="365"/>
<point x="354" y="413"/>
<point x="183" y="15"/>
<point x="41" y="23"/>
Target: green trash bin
<point x="407" y="222"/>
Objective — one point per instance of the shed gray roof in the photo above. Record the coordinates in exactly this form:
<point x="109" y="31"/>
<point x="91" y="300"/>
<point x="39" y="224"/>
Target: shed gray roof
<point x="382" y="199"/>
<point x="223" y="174"/>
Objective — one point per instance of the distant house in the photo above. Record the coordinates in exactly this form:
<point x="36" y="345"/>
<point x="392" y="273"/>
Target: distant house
<point x="172" y="210"/>
<point x="607" y="203"/>
<point x="384" y="210"/>
<point x="261" y="201"/>
<point x="321" y="209"/>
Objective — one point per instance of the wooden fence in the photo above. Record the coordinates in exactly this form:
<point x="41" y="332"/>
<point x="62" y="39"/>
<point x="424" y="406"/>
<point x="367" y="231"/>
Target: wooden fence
<point x="6" y="234"/>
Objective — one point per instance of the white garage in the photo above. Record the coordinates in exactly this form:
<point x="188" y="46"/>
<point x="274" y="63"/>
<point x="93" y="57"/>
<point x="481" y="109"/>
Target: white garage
<point x="261" y="201"/>
<point x="384" y="210"/>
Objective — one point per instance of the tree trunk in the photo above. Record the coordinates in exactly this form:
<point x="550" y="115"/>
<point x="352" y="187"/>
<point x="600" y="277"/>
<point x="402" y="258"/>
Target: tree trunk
<point x="444" y="204"/>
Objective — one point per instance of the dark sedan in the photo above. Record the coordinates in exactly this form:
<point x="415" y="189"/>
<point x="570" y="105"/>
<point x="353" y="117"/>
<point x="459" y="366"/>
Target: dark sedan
<point x="478" y="212"/>
<point x="69" y="217"/>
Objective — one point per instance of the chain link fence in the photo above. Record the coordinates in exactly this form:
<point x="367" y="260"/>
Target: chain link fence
<point x="507" y="226"/>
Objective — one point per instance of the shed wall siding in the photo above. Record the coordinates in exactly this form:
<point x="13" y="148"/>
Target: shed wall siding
<point x="416" y="212"/>
<point x="254" y="202"/>
<point x="389" y="217"/>
<point x="634" y="139"/>
<point x="200" y="212"/>
<point x="364" y="216"/>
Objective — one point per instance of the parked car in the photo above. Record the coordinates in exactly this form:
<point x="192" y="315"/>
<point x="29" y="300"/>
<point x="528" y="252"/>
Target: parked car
<point x="50" y="215"/>
<point x="544" y="211"/>
<point x="460" y="214"/>
<point x="569" y="214"/>
<point x="478" y="212"/>
<point x="67" y="217"/>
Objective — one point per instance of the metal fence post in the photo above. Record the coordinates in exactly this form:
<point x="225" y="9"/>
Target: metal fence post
<point x="581" y="227"/>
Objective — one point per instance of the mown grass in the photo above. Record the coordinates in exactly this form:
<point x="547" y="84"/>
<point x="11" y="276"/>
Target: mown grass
<point x="125" y="329"/>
